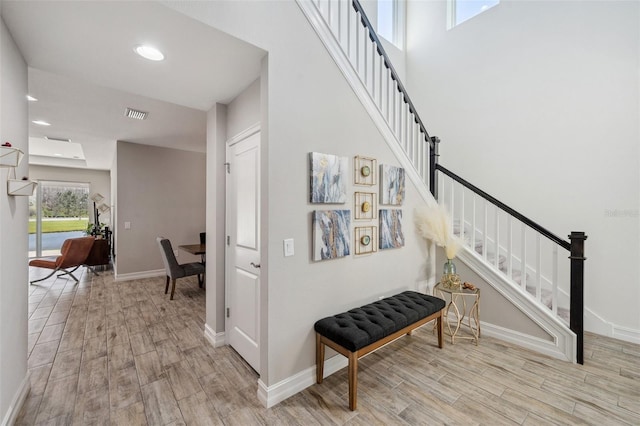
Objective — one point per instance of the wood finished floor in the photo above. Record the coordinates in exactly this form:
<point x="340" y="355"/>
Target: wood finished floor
<point x="121" y="353"/>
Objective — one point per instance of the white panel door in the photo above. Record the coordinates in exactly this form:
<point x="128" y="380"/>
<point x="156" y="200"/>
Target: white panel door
<point x="243" y="249"/>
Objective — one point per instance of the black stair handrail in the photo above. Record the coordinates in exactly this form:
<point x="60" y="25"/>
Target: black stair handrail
<point x="522" y="218"/>
<point x="387" y="63"/>
<point x="575" y="247"/>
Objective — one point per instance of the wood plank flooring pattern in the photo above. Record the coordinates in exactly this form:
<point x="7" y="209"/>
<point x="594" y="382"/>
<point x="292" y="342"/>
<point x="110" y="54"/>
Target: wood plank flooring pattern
<point x="105" y="352"/>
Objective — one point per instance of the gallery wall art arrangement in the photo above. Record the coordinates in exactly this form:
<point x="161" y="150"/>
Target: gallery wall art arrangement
<point x="375" y="228"/>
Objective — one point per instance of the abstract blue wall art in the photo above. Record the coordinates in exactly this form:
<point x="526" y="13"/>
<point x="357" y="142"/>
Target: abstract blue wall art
<point x="391" y="235"/>
<point x="392" y="185"/>
<point x="328" y="178"/>
<point x="331" y="234"/>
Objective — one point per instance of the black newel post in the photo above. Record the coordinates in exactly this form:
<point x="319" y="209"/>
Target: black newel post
<point x="576" y="319"/>
<point x="433" y="160"/>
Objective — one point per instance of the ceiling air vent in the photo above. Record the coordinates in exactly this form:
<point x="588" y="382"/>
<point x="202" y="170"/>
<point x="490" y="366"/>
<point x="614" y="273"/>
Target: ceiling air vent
<point x="134" y="113"/>
<point x="51" y="138"/>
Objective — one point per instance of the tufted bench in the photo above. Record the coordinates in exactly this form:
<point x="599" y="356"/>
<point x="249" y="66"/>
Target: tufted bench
<point x="363" y="330"/>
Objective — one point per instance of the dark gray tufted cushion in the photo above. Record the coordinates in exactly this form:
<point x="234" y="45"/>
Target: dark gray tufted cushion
<point x="362" y="326"/>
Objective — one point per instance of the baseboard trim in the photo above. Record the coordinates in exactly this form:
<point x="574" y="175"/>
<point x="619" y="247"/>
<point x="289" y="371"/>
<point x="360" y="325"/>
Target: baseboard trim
<point x="18" y="401"/>
<point x="545" y="347"/>
<point x="139" y="275"/>
<point x="272" y="395"/>
<point x="215" y="339"/>
<point x="626" y="334"/>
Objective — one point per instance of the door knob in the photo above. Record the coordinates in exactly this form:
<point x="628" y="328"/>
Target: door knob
<point x="254" y="265"/>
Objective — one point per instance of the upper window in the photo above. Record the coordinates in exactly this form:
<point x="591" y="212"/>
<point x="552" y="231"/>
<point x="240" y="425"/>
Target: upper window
<point x="391" y="21"/>
<point x="462" y="10"/>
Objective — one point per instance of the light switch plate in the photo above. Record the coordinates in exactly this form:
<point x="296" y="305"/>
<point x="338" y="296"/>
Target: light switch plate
<point x="127" y="225"/>
<point x="288" y="247"/>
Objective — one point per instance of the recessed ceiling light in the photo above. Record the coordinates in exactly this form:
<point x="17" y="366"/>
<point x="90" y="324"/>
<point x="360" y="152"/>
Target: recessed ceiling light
<point x="31" y="98"/>
<point x="148" y="52"/>
<point x="41" y="123"/>
<point x="57" y="155"/>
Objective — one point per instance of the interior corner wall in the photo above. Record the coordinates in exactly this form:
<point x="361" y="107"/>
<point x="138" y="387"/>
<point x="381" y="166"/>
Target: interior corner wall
<point x="538" y="103"/>
<point x="215" y="216"/>
<point x="160" y="192"/>
<point x="223" y="123"/>
<point x="309" y="108"/>
<point x="244" y="110"/>
<point x="14" y="214"/>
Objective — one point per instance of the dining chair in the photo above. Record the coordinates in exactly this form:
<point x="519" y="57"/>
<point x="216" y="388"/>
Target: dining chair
<point x="73" y="254"/>
<point x="173" y="269"/>
<point x="203" y="238"/>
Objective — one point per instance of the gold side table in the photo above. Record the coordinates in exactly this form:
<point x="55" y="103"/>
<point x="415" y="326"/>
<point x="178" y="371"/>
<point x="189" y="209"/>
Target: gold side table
<point x="458" y="301"/>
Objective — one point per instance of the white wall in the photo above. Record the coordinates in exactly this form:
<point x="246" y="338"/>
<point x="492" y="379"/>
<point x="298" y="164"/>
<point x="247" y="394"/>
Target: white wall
<point x="244" y="110"/>
<point x="309" y="107"/>
<point x="99" y="181"/>
<point x="13" y="233"/>
<point x="161" y="192"/>
<point x="537" y="102"/>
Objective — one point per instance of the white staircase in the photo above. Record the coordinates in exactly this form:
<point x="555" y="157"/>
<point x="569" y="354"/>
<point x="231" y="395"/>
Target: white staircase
<point x="519" y="261"/>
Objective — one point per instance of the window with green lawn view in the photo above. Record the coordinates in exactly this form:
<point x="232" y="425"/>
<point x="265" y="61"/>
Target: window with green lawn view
<point x="57" y="211"/>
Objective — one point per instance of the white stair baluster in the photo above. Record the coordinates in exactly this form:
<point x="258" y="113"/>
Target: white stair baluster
<point x="473" y="222"/>
<point x="334" y="17"/>
<point x="354" y="28"/>
<point x="382" y="75"/>
<point x="405" y="128"/>
<point x="343" y="19"/>
<point x="554" y="280"/>
<point x="485" y="231"/>
<point x="366" y="57"/>
<point x="452" y="202"/>
<point x="496" y="260"/>
<point x="399" y="116"/>
<point x="362" y="53"/>
<point x="523" y="257"/>
<point x="510" y="246"/>
<point x="538" y="268"/>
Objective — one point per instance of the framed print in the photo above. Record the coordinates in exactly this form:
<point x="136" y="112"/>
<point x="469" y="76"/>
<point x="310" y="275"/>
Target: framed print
<point x="365" y="240"/>
<point x="392" y="185"/>
<point x="391" y="235"/>
<point x="328" y="173"/>
<point x="331" y="234"/>
<point x="365" y="205"/>
<point x="364" y="171"/>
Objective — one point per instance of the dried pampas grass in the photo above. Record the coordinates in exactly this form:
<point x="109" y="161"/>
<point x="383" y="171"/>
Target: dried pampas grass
<point x="434" y="224"/>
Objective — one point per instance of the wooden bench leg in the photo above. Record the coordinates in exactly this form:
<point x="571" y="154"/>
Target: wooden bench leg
<point x="353" y="380"/>
<point x="440" y="326"/>
<point x="319" y="359"/>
